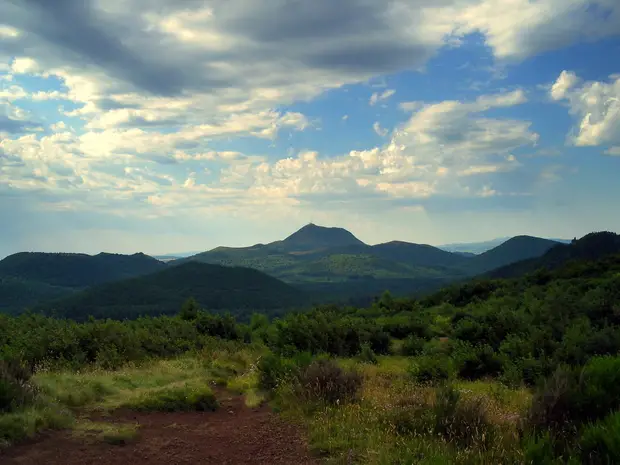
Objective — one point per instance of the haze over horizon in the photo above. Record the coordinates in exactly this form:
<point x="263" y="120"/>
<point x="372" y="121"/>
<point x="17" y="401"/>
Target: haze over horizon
<point x="162" y="126"/>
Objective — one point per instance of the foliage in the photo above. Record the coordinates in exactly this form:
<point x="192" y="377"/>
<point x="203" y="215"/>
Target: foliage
<point x="214" y="287"/>
<point x="175" y="399"/>
<point x="460" y="420"/>
<point x="16" y="390"/>
<point x="367" y="355"/>
<point x="325" y="381"/>
<point x="431" y="369"/>
<point x="600" y="441"/>
<point x="413" y="345"/>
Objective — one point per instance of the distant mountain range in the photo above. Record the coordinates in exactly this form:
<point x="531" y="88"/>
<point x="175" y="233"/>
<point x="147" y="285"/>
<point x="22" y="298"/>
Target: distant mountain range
<point x="318" y="258"/>
<point x="314" y="264"/>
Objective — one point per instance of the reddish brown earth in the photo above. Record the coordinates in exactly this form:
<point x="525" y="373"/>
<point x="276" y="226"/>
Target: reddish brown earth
<point x="232" y="435"/>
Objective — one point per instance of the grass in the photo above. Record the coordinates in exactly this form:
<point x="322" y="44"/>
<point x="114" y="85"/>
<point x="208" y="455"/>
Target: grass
<point x="112" y="433"/>
<point x="26" y="423"/>
<point x="176" y="398"/>
<point x="397" y="421"/>
<point x="180" y="384"/>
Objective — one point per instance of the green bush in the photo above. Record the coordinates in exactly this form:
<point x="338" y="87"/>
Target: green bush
<point x="175" y="399"/>
<point x="275" y="370"/>
<point x="600" y="441"/>
<point x="15" y="387"/>
<point x="573" y="396"/>
<point x="552" y="403"/>
<point x="463" y="421"/>
<point x="324" y="380"/>
<point x="475" y="362"/>
<point x="431" y="369"/>
<point x="367" y="355"/>
<point x="413" y="345"/>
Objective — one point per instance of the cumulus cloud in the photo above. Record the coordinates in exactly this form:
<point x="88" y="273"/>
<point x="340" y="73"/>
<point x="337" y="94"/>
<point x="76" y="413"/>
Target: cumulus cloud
<point x="518" y="29"/>
<point x="158" y="82"/>
<point x="596" y="105"/>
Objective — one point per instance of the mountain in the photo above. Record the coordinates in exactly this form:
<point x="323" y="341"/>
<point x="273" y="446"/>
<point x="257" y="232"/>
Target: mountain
<point x="592" y="246"/>
<point x="312" y="238"/>
<point x="215" y="287"/>
<point x="334" y="261"/>
<point x="418" y="254"/>
<point x="77" y="270"/>
<point x="513" y="250"/>
<point x="28" y="278"/>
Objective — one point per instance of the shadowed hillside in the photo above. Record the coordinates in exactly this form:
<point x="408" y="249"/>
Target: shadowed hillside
<point x="593" y="246"/>
<point x="29" y="278"/>
<point x="214" y="287"/>
<point x="77" y="270"/>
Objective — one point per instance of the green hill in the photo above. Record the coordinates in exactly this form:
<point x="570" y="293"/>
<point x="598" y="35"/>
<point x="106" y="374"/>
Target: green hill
<point x="592" y="246"/>
<point x="513" y="250"/>
<point x="320" y="259"/>
<point x="17" y="294"/>
<point x="218" y="288"/>
<point x="77" y="270"/>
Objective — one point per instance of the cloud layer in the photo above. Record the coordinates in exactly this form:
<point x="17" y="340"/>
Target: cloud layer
<point x="125" y="105"/>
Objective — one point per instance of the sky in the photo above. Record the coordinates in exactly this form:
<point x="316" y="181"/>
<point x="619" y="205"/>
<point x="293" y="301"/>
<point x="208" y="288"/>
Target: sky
<point x="165" y="126"/>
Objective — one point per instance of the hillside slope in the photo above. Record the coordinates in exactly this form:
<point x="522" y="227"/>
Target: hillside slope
<point x="77" y="270"/>
<point x="29" y="278"/>
<point x="320" y="258"/>
<point x="513" y="250"/>
<point x="239" y="290"/>
<point x="592" y="246"/>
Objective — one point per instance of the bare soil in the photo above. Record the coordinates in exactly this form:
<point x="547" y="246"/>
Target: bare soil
<point x="232" y="435"/>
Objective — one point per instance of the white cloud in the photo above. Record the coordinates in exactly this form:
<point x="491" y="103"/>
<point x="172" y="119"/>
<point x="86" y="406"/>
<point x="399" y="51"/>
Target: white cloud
<point x="8" y="32"/>
<point x="24" y="65"/>
<point x="377" y="97"/>
<point x="597" y="106"/>
<point x="517" y="29"/>
<point x="563" y="84"/>
<point x="379" y="130"/>
<point x="613" y="151"/>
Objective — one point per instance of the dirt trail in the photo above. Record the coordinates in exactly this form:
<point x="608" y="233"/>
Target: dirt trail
<point x="233" y="435"/>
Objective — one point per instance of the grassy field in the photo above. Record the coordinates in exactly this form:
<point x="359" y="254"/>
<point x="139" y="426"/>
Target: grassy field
<point x="391" y="420"/>
<point x="395" y="420"/>
<point x="66" y="399"/>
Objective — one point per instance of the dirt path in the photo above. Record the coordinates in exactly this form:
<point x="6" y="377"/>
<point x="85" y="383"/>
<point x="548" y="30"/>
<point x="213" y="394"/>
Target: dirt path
<point x="233" y="435"/>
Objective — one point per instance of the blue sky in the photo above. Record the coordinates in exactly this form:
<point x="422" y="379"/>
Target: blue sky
<point x="193" y="124"/>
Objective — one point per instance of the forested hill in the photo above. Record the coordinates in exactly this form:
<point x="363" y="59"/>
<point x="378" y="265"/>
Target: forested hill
<point x="29" y="278"/>
<point x="217" y="288"/>
<point x="77" y="270"/>
<point x="593" y="246"/>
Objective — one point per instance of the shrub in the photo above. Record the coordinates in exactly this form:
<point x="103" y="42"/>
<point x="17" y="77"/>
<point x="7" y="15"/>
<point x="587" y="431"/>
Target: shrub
<point x="463" y="421"/>
<point x="600" y="441"/>
<point x="273" y="370"/>
<point x="15" y="387"/>
<point x="539" y="449"/>
<point x="551" y="404"/>
<point x="367" y="355"/>
<point x="477" y="362"/>
<point x="572" y="397"/>
<point x="175" y="399"/>
<point x="413" y="345"/>
<point x="427" y="369"/>
<point x="325" y="381"/>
